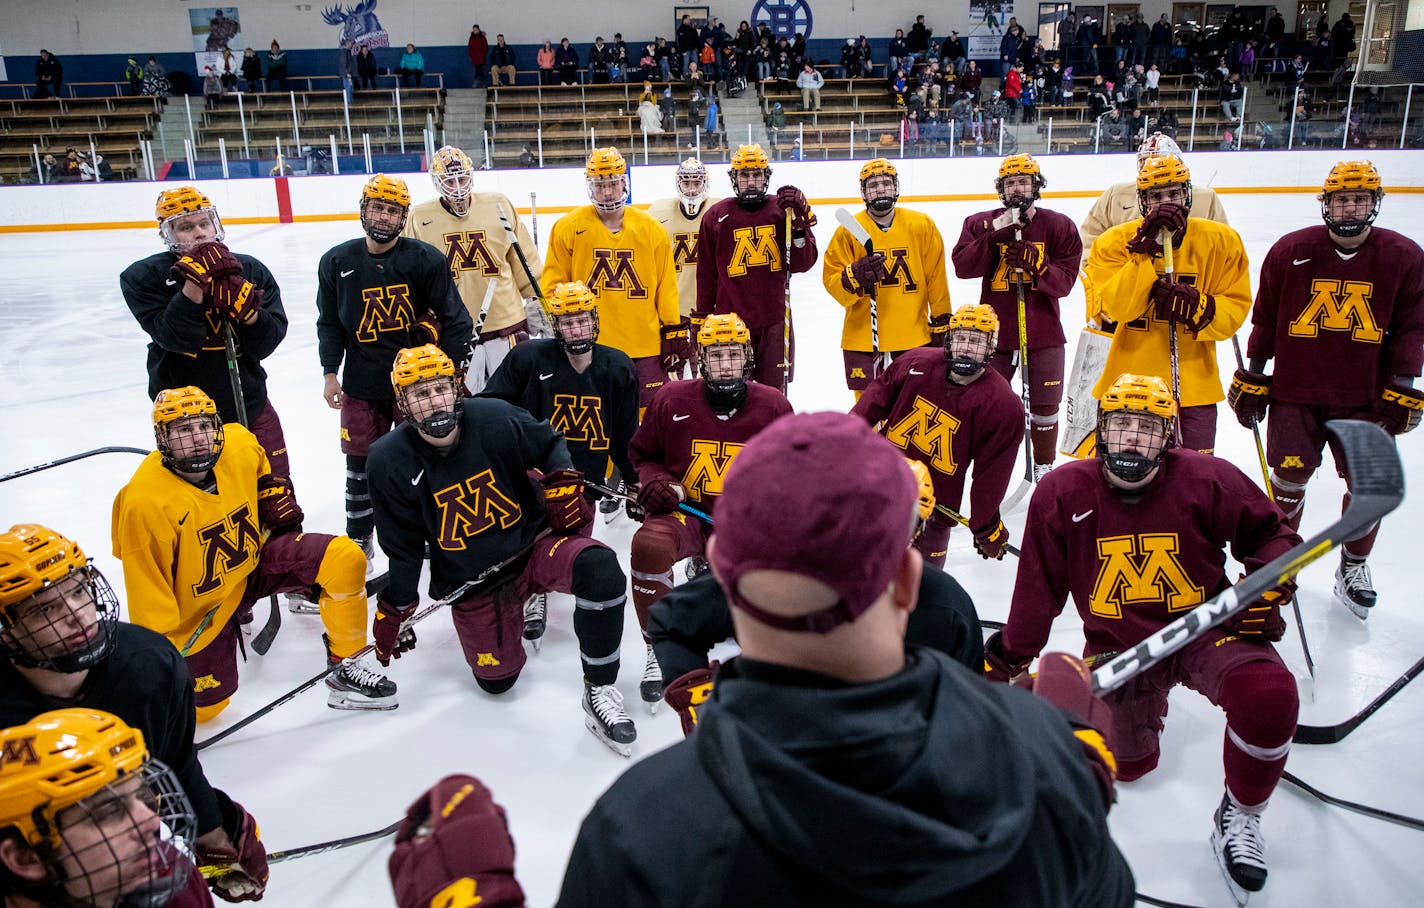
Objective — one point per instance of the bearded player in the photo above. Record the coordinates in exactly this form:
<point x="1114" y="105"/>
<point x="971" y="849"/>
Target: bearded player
<point x="948" y="409"/>
<point x="902" y="275"/>
<point x="740" y="252"/>
<point x="689" y="437"/>
<point x="466" y="226"/>
<point x="1136" y="535"/>
<point x="1340" y="308"/>
<point x="681" y="216"/>
<point x="1024" y="249"/>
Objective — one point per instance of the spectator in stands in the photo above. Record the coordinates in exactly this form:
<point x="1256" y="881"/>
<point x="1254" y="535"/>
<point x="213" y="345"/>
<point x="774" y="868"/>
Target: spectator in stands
<point x="1248" y="60"/>
<point x="1297" y="69"/>
<point x="133" y="74"/>
<point x="1053" y="84"/>
<point x="252" y="69"/>
<point x="1065" y="33"/>
<point x="664" y="54"/>
<point x="961" y="112"/>
<point x="366" y="67"/>
<point x="501" y="59"/>
<point x="1153" y="80"/>
<point x="412" y="67"/>
<point x="1122" y="39"/>
<point x="49" y="75"/>
<point x="797" y="153"/>
<point x="996" y="111"/>
<point x="276" y="67"/>
<point x="1032" y="91"/>
<point x="567" y="59"/>
<point x="694" y="107"/>
<point x="1159" y="41"/>
<point x="918" y="41"/>
<point x="1114" y="130"/>
<point x="96" y="170"/>
<point x="1013" y="89"/>
<point x="798" y="51"/>
<point x="346" y="67"/>
<point x="230" y="68"/>
<point x="547" y="59"/>
<point x="1088" y="40"/>
<point x="971" y="79"/>
<point x="1342" y="38"/>
<point x="47" y="170"/>
<point x="477" y="48"/>
<point x="783" y="71"/>
<point x="850" y="56"/>
<point x="689" y="42"/>
<point x="648" y="94"/>
<point x="527" y="158"/>
<point x="1098" y="100"/>
<point x="1141" y="37"/>
<point x="600" y="57"/>
<point x="668" y="108"/>
<point x="953" y="50"/>
<point x="764" y="60"/>
<point x="1230" y="95"/>
<point x="1127" y="94"/>
<point x="775" y="123"/>
<point x="622" y="67"/>
<point x="810" y="82"/>
<point x="899" y="54"/>
<point x="711" y="124"/>
<point x="212" y="87"/>
<point x="1031" y="54"/>
<point x="707" y="59"/>
<point x="155" y="79"/>
<point x="69" y="170"/>
<point x="745" y="41"/>
<point x="696" y="80"/>
<point x="1136" y="127"/>
<point x="650" y="119"/>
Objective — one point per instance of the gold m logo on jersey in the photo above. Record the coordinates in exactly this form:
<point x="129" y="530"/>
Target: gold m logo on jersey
<point x="459" y="894"/>
<point x="467" y="251"/>
<point x="1000" y="280"/>
<point x="206" y="682"/>
<point x="613" y="270"/>
<point x="20" y="750"/>
<point x="1338" y="306"/>
<point x="1141" y="568"/>
<point x="385" y="309"/>
<point x="684" y="250"/>
<point x="710" y="460"/>
<point x="232" y="541"/>
<point x="469" y="508"/>
<point x="754" y="247"/>
<point x="580" y="418"/>
<point x="897" y="264"/>
<point x="929" y="430"/>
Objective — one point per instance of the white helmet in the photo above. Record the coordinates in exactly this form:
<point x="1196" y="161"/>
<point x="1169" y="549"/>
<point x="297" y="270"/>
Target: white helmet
<point x="691" y="181"/>
<point x="1157" y="144"/>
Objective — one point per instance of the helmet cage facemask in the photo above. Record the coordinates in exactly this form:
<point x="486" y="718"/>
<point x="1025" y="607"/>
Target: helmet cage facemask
<point x="1144" y="206"/>
<point x="753" y="196"/>
<point x="438" y="423"/>
<point x="17" y="630"/>
<point x="621" y="198"/>
<point x="963" y="364"/>
<point x="1131" y="466"/>
<point x="380" y="234"/>
<point x="583" y="345"/>
<point x="725" y="394"/>
<point x="1016" y="201"/>
<point x="166" y="231"/>
<point x="189" y="461"/>
<point x="1354" y="227"/>
<point x="457" y="188"/>
<point x="691" y="201"/>
<point x="880" y="204"/>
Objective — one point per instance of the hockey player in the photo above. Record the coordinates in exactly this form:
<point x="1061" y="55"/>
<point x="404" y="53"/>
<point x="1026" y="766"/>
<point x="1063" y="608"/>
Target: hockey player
<point x="1136" y="537"/>
<point x="1204" y="300"/>
<point x="377" y="295"/>
<point x="205" y="529"/>
<point x="460" y="476"/>
<point x="1025" y="252"/>
<point x="1340" y="308"/>
<point x="681" y="217"/>
<point x="740" y="252"/>
<point x="903" y="276"/>
<point x="624" y="258"/>
<point x="62" y="645"/>
<point x="88" y="819"/>
<point x="947" y="409"/>
<point x="465" y="225"/>
<point x="188" y="297"/>
<point x="689" y="436"/>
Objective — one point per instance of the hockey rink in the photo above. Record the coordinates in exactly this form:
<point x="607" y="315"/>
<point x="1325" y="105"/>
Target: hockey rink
<point x="72" y="378"/>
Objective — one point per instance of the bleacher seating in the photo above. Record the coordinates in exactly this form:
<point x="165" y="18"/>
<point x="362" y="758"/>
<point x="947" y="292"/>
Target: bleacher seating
<point x="116" y="126"/>
<point x="268" y="117"/>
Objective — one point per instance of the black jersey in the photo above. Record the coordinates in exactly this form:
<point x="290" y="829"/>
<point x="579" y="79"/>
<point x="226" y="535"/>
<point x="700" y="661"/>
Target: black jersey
<point x="596" y="410"/>
<point x="144" y="682"/>
<point x="474" y="502"/>
<point x="367" y="305"/>
<point x="186" y="339"/>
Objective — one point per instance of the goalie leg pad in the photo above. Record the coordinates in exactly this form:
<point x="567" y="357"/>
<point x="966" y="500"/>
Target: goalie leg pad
<point x="1082" y="416"/>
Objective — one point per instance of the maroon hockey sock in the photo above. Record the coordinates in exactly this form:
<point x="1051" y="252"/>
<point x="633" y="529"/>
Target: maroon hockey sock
<point x="1360" y="548"/>
<point x="1261" y="705"/>
<point x="651" y="560"/>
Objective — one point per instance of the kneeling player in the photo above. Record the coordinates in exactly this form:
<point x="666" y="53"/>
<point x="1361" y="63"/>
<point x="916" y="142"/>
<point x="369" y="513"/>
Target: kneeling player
<point x="205" y="529"/>
<point x="456" y="475"/>
<point x="689" y="437"/>
<point x="946" y="409"/>
<point x="1170" y="510"/>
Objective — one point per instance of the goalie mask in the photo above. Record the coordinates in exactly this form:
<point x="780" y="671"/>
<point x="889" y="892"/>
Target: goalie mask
<point x="1020" y="181"/>
<point x="453" y="174"/>
<point x="1350" y="199"/>
<point x="751" y="176"/>
<point x="973" y="338"/>
<point x="573" y="309"/>
<point x="186" y="218"/>
<point x="57" y="611"/>
<point x="187" y="430"/>
<point x="1156" y="145"/>
<point x="95" y="821"/>
<point x="691" y="182"/>
<point x="606" y="175"/>
<point x="385" y="203"/>
<point x="1162" y="179"/>
<point x="724" y="352"/>
<point x="1136" y="422"/>
<point x="879" y="186"/>
<point x="425" y="385"/>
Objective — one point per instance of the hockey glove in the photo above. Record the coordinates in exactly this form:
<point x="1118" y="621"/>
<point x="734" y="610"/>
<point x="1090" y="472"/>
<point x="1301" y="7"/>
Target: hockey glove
<point x="997" y="665"/>
<point x="236" y="299"/>
<point x="1262" y="620"/>
<point x="1024" y="257"/>
<point x="454" y="848"/>
<point x="992" y="541"/>
<point x="789" y="198"/>
<point x="277" y="508"/>
<point x="861" y="275"/>
<point x="537" y="319"/>
<point x="1004" y="228"/>
<point x="675" y="346"/>
<point x="233" y="857"/>
<point x="1399" y="408"/>
<point x="565" y="507"/>
<point x="426" y="329"/>
<point x="391" y="630"/>
<point x="939" y="329"/>
<point x="205" y="263"/>
<point x="631" y="507"/>
<point x="1248" y="395"/>
<point x="1147" y="241"/>
<point x="1181" y="304"/>
<point x="661" y="496"/>
<point x="1065" y="681"/>
<point x="686" y="694"/>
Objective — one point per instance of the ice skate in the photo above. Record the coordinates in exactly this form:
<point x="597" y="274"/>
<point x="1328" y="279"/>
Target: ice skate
<point x="298" y="604"/>
<point x="368" y="546"/>
<point x="696" y="567"/>
<point x="605" y="716"/>
<point x="651" y="687"/>
<point x="536" y="614"/>
<point x="1240" y="850"/>
<point x="354" y="686"/>
<point x="1353" y="587"/>
<point x="1040" y="470"/>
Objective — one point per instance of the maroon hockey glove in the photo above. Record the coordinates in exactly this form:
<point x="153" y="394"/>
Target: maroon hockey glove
<point x="235" y="854"/>
<point x="1262" y="620"/>
<point x="454" y="848"/>
<point x="686" y="694"/>
<point x="205" y="263"/>
<point x="1024" y="257"/>
<point x="631" y="507"/>
<point x="565" y="507"/>
<point x="236" y="299"/>
<point x="861" y="275"/>
<point x="1181" y="304"/>
<point x="997" y="665"/>
<point x="661" y="496"/>
<point x="675" y="343"/>
<point x="789" y="198"/>
<point x="1399" y="408"/>
<point x="1065" y="681"/>
<point x="1248" y="395"/>
<point x="390" y="631"/>
<point x="277" y="508"/>
<point x="939" y="329"/>
<point x="426" y="329"/>
<point x="1005" y="228"/>
<point x="1147" y="241"/>
<point x="992" y="541"/>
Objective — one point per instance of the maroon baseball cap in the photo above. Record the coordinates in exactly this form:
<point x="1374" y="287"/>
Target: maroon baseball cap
<point x="823" y="496"/>
<point x="455" y="831"/>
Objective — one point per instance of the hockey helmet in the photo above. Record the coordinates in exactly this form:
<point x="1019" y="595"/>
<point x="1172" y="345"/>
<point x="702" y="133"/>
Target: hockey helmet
<point x="1157" y="145"/>
<point x="567" y="300"/>
<point x="188" y="454"/>
<point x="750" y="160"/>
<point x="453" y="174"/>
<point x="1020" y="165"/>
<point x="33" y="561"/>
<point x="881" y="204"/>
<point x="606" y="168"/>
<point x="926" y="485"/>
<point x="1130" y="449"/>
<point x="426" y="364"/>
<point x="973" y="338"/>
<point x="1159" y="172"/>
<point x="1347" y="176"/>
<point x="186" y="206"/>
<point x="724" y="392"/>
<point x="391" y="190"/>
<point x="691" y="182"/>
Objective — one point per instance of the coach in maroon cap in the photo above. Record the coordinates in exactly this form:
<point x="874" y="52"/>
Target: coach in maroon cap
<point x="833" y="764"/>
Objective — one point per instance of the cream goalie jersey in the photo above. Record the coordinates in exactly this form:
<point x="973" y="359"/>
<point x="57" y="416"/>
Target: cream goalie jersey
<point x="682" y="234"/>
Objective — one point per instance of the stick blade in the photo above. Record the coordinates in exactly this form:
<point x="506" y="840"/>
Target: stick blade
<point x="852" y="226"/>
<point x="1372" y="459"/>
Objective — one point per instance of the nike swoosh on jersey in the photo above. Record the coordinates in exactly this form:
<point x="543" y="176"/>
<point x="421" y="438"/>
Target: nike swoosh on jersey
<point x="426" y="223"/>
<point x="723" y="218"/>
<point x="916" y="372"/>
<point x="348" y="273"/>
<point x="1299" y="261"/>
<point x="183" y="519"/>
<point x="171" y="282"/>
<point x="416" y="480"/>
<point x="545" y="376"/>
<point x="580" y="232"/>
<point x="1079" y="518"/>
<point x="677" y="418"/>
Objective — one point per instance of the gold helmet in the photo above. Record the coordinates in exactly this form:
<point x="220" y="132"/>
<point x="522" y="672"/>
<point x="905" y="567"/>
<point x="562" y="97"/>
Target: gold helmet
<point x="184" y="200"/>
<point x="1351" y="175"/>
<point x="877" y="167"/>
<point x="419" y="364"/>
<point x="569" y="299"/>
<point x="723" y="329"/>
<point x="750" y="159"/>
<point x="173" y="404"/>
<point x="34" y="559"/>
<point x="392" y="190"/>
<point x="453" y="174"/>
<point x="970" y="358"/>
<point x="605" y="166"/>
<point x="1158" y="171"/>
<point x="1020" y="165"/>
<point x="724" y="394"/>
<point x="922" y="479"/>
<point x="1146" y="394"/>
<point x="691" y="182"/>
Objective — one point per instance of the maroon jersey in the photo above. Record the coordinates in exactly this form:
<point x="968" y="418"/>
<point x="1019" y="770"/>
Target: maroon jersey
<point x="682" y="439"/>
<point x="1339" y="327"/>
<point x="1060" y="249"/>
<point x="739" y="266"/>
<point x="1136" y="563"/>
<point x="948" y="427"/>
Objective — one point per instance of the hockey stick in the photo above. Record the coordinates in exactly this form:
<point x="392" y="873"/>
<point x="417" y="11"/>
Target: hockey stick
<point x="1164" y="238"/>
<point x="616" y="493"/>
<point x="533" y="219"/>
<point x="211" y="871"/>
<point x="963" y="521"/>
<point x="112" y="449"/>
<point x="1331" y="734"/>
<point x="262" y="642"/>
<point x="370" y="647"/>
<point x="230" y="344"/>
<point x="485" y="307"/>
<point x="1160" y="903"/>
<point x="786" y="323"/>
<point x="519" y="251"/>
<point x="853" y="227"/>
<point x="1388" y="816"/>
<point x="1378" y="477"/>
<point x="1026" y="486"/>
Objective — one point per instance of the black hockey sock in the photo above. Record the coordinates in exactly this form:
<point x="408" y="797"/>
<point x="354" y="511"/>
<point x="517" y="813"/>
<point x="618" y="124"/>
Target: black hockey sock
<point x="599" y="598"/>
<point x="360" y="518"/>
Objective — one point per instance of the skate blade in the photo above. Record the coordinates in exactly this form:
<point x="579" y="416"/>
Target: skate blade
<point x="623" y="750"/>
<point x="535" y="642"/>
<point x="652" y="706"/>
<point x="302" y="607"/>
<point x="348" y="704"/>
<point x="1218" y="848"/>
